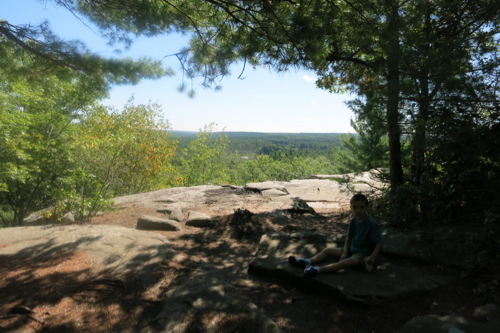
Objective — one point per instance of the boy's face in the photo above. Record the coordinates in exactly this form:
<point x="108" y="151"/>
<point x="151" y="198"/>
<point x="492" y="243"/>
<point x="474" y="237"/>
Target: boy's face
<point x="359" y="209"/>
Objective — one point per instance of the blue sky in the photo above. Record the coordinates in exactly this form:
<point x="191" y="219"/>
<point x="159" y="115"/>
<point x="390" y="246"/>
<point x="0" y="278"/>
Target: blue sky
<point x="263" y="102"/>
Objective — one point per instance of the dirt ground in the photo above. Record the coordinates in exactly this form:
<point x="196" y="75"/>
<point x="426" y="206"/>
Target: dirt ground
<point x="64" y="294"/>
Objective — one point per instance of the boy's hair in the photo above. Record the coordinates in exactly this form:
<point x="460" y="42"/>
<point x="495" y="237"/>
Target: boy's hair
<point x="359" y="197"/>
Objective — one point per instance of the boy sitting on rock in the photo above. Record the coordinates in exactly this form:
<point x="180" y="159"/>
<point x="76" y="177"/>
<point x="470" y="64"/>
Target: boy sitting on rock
<point x="362" y="245"/>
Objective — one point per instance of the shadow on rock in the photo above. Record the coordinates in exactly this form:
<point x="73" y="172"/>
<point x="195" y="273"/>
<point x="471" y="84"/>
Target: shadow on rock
<point x="71" y="276"/>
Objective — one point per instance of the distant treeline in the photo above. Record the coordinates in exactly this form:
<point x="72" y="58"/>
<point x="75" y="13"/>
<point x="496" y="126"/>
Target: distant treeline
<point x="252" y="144"/>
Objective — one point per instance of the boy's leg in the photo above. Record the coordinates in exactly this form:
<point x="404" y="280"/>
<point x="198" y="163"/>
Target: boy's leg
<point x="303" y="262"/>
<point x="329" y="251"/>
<point x="311" y="271"/>
<point x="349" y="262"/>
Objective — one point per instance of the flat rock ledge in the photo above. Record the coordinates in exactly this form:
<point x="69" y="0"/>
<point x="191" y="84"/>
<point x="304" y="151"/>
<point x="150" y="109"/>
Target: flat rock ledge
<point x="114" y="249"/>
<point x="207" y="290"/>
<point x="118" y="250"/>
<point x="392" y="278"/>
<point x="155" y="223"/>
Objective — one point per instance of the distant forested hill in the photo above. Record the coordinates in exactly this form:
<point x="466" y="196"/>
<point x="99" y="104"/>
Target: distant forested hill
<point x="255" y="143"/>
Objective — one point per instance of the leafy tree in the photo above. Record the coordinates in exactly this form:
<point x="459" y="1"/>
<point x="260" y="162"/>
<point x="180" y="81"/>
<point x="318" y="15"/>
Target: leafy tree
<point x="282" y="168"/>
<point x="206" y="161"/>
<point x="461" y="160"/>
<point x="35" y="114"/>
<point x="120" y="153"/>
<point x="45" y="82"/>
<point x="367" y="150"/>
<point x="68" y="58"/>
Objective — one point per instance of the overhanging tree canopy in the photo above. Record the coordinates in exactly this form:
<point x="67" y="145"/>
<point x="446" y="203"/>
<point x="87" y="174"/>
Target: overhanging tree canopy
<point x="400" y="54"/>
<point x="47" y="52"/>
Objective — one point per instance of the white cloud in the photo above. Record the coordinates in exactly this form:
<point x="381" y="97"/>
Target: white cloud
<point x="305" y="118"/>
<point x="314" y="102"/>
<point x="308" y="78"/>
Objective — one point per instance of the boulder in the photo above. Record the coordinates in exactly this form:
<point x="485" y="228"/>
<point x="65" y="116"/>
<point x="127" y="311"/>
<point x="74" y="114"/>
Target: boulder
<point x="68" y="218"/>
<point x="392" y="278"/>
<point x="155" y="223"/>
<point x="35" y="219"/>
<point x="447" y="324"/>
<point x="176" y="215"/>
<point x="200" y="220"/>
<point x="487" y="311"/>
<point x="44" y="217"/>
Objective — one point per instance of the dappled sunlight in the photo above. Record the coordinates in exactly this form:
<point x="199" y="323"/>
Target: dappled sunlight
<point x="64" y="291"/>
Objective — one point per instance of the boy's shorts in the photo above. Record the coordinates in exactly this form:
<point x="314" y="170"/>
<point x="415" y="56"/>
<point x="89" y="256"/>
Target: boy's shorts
<point x="360" y="256"/>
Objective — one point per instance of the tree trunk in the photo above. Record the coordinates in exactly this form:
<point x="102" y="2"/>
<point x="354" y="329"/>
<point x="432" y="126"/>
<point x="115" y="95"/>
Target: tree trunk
<point x="419" y="139"/>
<point x="393" y="88"/>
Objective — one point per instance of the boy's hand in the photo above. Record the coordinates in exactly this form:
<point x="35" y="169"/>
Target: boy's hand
<point x="343" y="256"/>
<point x="369" y="262"/>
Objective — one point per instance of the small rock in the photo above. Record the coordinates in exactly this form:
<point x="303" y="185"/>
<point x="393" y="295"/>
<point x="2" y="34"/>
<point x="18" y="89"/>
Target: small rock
<point x="200" y="220"/>
<point x="155" y="223"/>
<point x="486" y="310"/>
<point x="68" y="217"/>
<point x="176" y="215"/>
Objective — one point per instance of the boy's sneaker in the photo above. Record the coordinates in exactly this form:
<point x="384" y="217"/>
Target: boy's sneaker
<point x="297" y="262"/>
<point x="310" y="271"/>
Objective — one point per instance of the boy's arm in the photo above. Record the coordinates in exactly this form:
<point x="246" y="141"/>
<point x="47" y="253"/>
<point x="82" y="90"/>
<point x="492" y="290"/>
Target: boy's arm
<point x="370" y="261"/>
<point x="347" y="243"/>
<point x="375" y="252"/>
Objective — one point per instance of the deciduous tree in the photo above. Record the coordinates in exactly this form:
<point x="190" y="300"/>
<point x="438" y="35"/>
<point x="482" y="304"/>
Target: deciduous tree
<point x="206" y="160"/>
<point x="119" y="153"/>
<point x="35" y="113"/>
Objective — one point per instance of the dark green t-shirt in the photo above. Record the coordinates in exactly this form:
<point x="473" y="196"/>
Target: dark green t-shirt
<point x="364" y="235"/>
